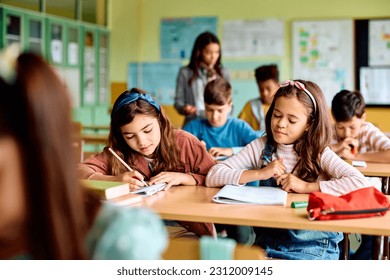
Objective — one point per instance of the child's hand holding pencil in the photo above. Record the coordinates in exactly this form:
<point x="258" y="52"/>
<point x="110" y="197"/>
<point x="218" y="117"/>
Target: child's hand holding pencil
<point x="138" y="180"/>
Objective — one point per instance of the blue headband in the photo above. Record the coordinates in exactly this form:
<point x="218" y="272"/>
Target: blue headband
<point x="131" y="97"/>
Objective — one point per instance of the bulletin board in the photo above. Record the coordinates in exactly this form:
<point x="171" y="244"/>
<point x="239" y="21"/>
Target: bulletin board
<point x="323" y="52"/>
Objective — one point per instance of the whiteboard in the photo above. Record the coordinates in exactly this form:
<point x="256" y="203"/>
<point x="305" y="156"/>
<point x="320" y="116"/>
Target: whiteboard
<point x="323" y="52"/>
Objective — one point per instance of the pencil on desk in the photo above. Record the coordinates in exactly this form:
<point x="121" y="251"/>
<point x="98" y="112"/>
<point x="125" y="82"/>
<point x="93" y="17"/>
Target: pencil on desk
<point x="124" y="163"/>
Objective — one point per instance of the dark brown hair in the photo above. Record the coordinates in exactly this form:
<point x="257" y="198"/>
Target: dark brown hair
<point x="218" y="92"/>
<point x="39" y="115"/>
<point x="166" y="156"/>
<point x="267" y="72"/>
<point x="201" y="42"/>
<point x="312" y="143"/>
<point x="346" y="104"/>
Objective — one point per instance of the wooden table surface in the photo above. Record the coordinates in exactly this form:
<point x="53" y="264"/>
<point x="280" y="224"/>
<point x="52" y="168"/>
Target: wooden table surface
<point x="194" y="203"/>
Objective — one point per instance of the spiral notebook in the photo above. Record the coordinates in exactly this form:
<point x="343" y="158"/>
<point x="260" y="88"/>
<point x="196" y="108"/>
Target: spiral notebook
<point x="232" y="194"/>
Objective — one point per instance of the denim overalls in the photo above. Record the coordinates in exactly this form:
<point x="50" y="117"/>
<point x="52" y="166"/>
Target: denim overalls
<point x="295" y="244"/>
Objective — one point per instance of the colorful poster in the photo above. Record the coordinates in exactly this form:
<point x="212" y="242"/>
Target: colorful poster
<point x="379" y="43"/>
<point x="323" y="52"/>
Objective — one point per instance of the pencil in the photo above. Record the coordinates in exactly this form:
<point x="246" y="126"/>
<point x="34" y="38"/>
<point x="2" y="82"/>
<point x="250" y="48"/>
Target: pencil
<point x="124" y="163"/>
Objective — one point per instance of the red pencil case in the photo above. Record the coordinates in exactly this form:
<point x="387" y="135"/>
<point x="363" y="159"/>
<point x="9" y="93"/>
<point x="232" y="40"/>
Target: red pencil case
<point x="361" y="203"/>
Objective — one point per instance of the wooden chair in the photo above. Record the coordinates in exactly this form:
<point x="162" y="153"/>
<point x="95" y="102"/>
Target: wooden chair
<point x="78" y="142"/>
<point x="176" y="119"/>
<point x="189" y="249"/>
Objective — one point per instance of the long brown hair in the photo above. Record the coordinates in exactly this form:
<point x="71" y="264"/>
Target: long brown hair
<point x="39" y="115"/>
<point x="201" y="42"/>
<point x="167" y="155"/>
<point x="312" y="143"/>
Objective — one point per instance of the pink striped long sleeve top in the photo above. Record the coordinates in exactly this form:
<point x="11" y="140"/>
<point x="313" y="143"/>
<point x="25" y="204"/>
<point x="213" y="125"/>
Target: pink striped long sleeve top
<point x="340" y="176"/>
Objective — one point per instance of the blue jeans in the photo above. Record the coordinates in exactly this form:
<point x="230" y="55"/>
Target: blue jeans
<point x="299" y="244"/>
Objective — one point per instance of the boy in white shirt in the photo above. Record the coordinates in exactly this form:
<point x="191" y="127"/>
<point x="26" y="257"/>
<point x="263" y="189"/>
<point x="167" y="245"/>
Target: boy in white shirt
<point x="357" y="139"/>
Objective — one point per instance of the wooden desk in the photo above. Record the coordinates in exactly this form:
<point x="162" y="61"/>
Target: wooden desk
<point x="378" y="170"/>
<point x="382" y="170"/>
<point x="191" y="203"/>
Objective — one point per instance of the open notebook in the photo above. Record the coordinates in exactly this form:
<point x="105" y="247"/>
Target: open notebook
<point x="232" y="194"/>
<point x="150" y="190"/>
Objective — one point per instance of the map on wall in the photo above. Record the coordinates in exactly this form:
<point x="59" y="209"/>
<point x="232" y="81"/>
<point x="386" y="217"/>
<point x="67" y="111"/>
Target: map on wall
<point x="323" y="52"/>
<point x="177" y="35"/>
<point x="158" y="78"/>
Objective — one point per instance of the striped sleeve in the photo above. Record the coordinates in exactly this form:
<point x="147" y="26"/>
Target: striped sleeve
<point x="375" y="140"/>
<point x="344" y="177"/>
<point x="229" y="171"/>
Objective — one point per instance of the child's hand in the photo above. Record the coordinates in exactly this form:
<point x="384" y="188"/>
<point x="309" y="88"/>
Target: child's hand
<point x="347" y="154"/>
<point x="218" y="151"/>
<point x="291" y="183"/>
<point x="273" y="169"/>
<point x="189" y="110"/>
<point x="349" y="148"/>
<point x="172" y="179"/>
<point x="134" y="178"/>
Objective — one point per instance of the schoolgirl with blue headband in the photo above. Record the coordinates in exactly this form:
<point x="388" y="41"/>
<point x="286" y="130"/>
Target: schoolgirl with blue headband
<point x="143" y="137"/>
<point x="295" y="156"/>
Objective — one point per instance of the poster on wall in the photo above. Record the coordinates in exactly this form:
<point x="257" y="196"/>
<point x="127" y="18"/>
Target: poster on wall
<point x="158" y="78"/>
<point x="245" y="38"/>
<point x="323" y="52"/>
<point x="379" y="43"/>
<point x="177" y="35"/>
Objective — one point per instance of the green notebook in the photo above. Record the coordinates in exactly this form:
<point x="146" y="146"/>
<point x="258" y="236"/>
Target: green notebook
<point x="107" y="189"/>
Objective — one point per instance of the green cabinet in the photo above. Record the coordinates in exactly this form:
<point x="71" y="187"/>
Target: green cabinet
<point x="25" y="29"/>
<point x="78" y="50"/>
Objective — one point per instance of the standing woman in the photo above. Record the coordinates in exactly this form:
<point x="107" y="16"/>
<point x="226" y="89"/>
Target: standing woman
<point x="204" y="66"/>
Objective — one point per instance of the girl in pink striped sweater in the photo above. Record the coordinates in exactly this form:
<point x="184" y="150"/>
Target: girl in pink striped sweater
<point x="294" y="156"/>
